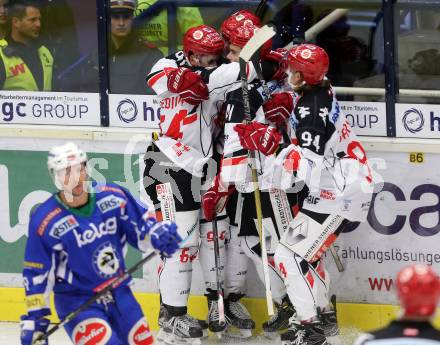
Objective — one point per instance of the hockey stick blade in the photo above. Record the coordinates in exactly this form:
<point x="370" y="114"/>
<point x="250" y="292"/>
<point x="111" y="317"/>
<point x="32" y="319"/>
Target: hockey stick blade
<point x="337" y="259"/>
<point x="260" y="37"/>
<point x="114" y="282"/>
<point x="220" y="302"/>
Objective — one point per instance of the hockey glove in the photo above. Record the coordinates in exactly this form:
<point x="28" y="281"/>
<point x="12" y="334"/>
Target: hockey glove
<point x="32" y="329"/>
<point x="164" y="238"/>
<point x="189" y="85"/>
<point x="278" y="109"/>
<point x="215" y="199"/>
<point x="256" y="136"/>
<point x="278" y="58"/>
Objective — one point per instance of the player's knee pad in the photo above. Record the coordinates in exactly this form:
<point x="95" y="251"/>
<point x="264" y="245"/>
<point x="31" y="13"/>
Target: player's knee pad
<point x="140" y="333"/>
<point x="188" y="227"/>
<point x="310" y="234"/>
<point x="91" y="331"/>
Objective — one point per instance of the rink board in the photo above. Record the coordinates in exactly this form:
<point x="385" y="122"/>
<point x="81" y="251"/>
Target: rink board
<point x="362" y="316"/>
<point x="403" y="224"/>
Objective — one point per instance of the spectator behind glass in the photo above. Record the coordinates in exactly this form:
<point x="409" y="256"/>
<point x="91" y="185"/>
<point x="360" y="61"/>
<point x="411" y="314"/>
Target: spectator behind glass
<point x="59" y="34"/>
<point x="4" y="21"/>
<point x="154" y="30"/>
<point x="130" y="59"/>
<point x="349" y="59"/>
<point x="26" y="64"/>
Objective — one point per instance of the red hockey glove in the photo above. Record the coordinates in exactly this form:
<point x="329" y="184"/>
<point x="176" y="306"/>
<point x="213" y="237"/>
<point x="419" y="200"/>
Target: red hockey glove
<point x="215" y="198"/>
<point x="256" y="136"/>
<point x="189" y="85"/>
<point x="278" y="109"/>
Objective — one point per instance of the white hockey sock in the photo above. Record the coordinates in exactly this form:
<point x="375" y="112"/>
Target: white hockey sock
<point x="175" y="275"/>
<point x="236" y="264"/>
<point x="251" y="248"/>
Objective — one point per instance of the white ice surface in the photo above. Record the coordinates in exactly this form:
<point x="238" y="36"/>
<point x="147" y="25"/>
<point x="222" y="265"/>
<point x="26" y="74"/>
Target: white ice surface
<point x="10" y="335"/>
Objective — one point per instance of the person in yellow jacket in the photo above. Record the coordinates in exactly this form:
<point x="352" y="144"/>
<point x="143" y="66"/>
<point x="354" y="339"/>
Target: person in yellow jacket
<point x="4" y="27"/>
<point x="25" y="64"/>
<point x="154" y="30"/>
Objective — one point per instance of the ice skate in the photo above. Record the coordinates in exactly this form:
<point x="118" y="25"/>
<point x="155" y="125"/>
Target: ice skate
<point x="237" y="318"/>
<point x="179" y="330"/>
<point x="214" y="324"/>
<point x="280" y="321"/>
<point x="329" y="319"/>
<point x="310" y="333"/>
<point x="163" y="314"/>
<point x="204" y="326"/>
<point x="329" y="323"/>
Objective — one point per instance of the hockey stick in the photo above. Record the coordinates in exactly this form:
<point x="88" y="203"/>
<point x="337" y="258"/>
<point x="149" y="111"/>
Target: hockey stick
<point x="251" y="49"/>
<point x="220" y="302"/>
<point x="257" y="66"/>
<point x="337" y="259"/>
<point x="106" y="287"/>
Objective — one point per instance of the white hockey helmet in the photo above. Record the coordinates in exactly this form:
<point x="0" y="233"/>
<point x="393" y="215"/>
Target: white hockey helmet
<point x="62" y="157"/>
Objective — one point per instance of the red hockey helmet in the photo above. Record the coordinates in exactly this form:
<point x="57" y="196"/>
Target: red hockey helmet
<point x="242" y="16"/>
<point x="203" y="39"/>
<point x="243" y="33"/>
<point x="309" y="59"/>
<point x="278" y="56"/>
<point x="418" y="288"/>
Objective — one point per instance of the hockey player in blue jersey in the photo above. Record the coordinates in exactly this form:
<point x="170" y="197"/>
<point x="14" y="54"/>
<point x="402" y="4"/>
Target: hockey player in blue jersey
<point x="76" y="245"/>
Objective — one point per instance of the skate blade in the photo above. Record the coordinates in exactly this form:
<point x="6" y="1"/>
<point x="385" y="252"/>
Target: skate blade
<point x="205" y="333"/>
<point x="271" y="335"/>
<point x="234" y="332"/>
<point x="171" y="339"/>
<point x="288" y="342"/>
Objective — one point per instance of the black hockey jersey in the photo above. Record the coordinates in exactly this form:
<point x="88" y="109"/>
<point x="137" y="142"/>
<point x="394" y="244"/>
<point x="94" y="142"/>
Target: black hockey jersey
<point x="402" y="332"/>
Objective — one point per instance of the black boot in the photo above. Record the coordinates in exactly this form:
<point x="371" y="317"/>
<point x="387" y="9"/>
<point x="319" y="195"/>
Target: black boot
<point x="309" y="333"/>
<point x="238" y="316"/>
<point x="214" y="323"/>
<point x="279" y="321"/>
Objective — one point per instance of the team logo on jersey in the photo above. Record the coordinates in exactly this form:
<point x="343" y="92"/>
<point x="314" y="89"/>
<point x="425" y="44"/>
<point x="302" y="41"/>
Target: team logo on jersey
<point x="106" y="260"/>
<point x="63" y="226"/>
<point x="198" y="35"/>
<point x="413" y="120"/>
<point x="109" y="203"/>
<point x="127" y="110"/>
<point x="91" y="331"/>
<point x="108" y="227"/>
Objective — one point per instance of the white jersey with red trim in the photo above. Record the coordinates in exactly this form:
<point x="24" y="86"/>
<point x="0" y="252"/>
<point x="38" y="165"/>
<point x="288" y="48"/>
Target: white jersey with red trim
<point x="328" y="157"/>
<point x="186" y="130"/>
